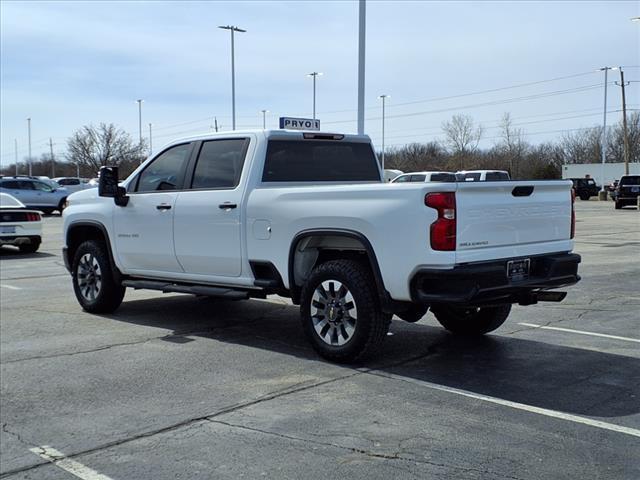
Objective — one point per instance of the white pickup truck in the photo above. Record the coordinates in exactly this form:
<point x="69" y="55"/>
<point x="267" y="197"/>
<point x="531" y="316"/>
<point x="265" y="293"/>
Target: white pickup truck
<point x="307" y="216"/>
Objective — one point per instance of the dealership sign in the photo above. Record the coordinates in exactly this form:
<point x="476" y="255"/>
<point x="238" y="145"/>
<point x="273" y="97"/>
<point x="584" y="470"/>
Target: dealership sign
<point x="299" y="123"/>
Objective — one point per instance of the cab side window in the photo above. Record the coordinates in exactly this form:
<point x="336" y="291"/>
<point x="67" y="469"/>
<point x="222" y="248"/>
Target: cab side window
<point x="220" y="163"/>
<point x="41" y="186"/>
<point x="165" y="171"/>
<point x="402" y="179"/>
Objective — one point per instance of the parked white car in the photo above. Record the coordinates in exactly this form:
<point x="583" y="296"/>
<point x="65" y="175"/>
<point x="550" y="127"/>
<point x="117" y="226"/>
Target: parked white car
<point x="306" y="215"/>
<point x="482" y="175"/>
<point x="436" y="176"/>
<point x="18" y="225"/>
<point x="74" y="184"/>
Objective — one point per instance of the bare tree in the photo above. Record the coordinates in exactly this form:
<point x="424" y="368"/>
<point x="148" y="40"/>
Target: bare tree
<point x="513" y="143"/>
<point x="462" y="137"/>
<point x="94" y="147"/>
<point x="417" y="156"/>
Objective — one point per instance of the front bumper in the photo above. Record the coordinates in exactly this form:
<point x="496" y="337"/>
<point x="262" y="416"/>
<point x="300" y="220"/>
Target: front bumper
<point x="487" y="282"/>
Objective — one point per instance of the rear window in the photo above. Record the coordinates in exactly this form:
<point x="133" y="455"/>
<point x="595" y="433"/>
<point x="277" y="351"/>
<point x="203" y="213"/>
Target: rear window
<point x="495" y="176"/>
<point x="443" y="177"/>
<point x="319" y="161"/>
<point x="418" y="178"/>
<point x="630" y="180"/>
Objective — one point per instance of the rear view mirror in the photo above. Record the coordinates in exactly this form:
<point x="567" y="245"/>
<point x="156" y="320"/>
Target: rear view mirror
<point x="108" y="183"/>
<point x="108" y="186"/>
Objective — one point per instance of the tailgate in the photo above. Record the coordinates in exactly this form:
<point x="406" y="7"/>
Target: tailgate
<point x="511" y="219"/>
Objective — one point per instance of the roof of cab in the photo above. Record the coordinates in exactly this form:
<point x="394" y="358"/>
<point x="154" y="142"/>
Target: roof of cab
<point x="279" y="134"/>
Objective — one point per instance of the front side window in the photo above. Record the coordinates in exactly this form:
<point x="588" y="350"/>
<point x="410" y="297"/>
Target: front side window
<point x="401" y="179"/>
<point x="418" y="178"/>
<point x="220" y="163"/>
<point x="41" y="186"/>
<point x="164" y="172"/>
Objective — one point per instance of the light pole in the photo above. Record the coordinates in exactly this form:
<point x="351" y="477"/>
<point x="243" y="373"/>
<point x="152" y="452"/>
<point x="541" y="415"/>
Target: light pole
<point x="604" y="123"/>
<point x="140" y="118"/>
<point x="264" y="119"/>
<point x="314" y="75"/>
<point x="362" y="38"/>
<point x="29" y="133"/>
<point x="384" y="98"/>
<point x="15" y="144"/>
<point x="150" y="140"/>
<point x="233" y="29"/>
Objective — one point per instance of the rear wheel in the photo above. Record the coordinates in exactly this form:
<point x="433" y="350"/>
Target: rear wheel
<point x="471" y="320"/>
<point x="93" y="282"/>
<point x="340" y="312"/>
<point x="584" y="196"/>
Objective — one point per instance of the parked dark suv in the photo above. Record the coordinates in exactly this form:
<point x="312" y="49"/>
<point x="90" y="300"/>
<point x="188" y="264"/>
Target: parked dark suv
<point x="627" y="191"/>
<point x="585" y="188"/>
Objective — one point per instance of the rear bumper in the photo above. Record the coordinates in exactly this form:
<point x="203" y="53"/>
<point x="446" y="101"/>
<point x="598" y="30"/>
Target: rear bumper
<point x="487" y="282"/>
<point x="19" y="239"/>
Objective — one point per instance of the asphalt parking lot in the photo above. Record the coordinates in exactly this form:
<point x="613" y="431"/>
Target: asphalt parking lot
<point x="172" y="386"/>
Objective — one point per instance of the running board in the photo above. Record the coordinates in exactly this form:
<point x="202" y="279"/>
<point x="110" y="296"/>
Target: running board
<point x="167" y="287"/>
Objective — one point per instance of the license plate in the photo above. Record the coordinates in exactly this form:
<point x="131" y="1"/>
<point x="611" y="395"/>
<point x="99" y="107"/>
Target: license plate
<point x="635" y="189"/>
<point x="11" y="229"/>
<point x="518" y="269"/>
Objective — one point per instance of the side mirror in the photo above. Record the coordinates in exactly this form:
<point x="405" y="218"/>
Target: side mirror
<point x="108" y="186"/>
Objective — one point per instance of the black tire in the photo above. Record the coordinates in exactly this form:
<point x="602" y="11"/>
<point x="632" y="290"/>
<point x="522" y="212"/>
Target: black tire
<point x="60" y="207"/>
<point x="29" y="248"/>
<point x="347" y="283"/>
<point x="93" y="282"/>
<point x="471" y="321"/>
<point x="584" y="196"/>
<point x="618" y="205"/>
<point x="413" y="313"/>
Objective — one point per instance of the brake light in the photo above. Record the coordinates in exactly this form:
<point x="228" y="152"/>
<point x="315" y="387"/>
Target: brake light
<point x="443" y="230"/>
<point x="33" y="217"/>
<point x="573" y="213"/>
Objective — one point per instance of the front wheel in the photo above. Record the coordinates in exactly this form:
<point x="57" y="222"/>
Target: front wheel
<point x="584" y="196"/>
<point x="340" y="312"/>
<point x="618" y="205"/>
<point x="93" y="282"/>
<point x="471" y="320"/>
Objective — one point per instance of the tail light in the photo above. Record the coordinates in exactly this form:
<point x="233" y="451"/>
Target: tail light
<point x="443" y="230"/>
<point x="573" y="213"/>
<point x="33" y="217"/>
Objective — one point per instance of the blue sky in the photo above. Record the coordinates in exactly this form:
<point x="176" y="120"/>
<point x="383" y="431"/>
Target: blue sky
<point x="66" y="64"/>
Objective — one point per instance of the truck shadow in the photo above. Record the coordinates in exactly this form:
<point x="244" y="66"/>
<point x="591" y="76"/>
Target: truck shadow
<point x="561" y="378"/>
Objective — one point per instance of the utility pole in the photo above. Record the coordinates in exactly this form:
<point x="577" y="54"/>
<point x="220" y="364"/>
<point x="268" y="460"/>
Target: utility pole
<point x="314" y="75"/>
<point x="624" y="123"/>
<point x="15" y="145"/>
<point x="233" y="29"/>
<point x="140" y="119"/>
<point x="362" y="20"/>
<point x="29" y="132"/>
<point x="53" y="161"/>
<point x="604" y="125"/>
<point x="215" y="123"/>
<point x="264" y="119"/>
<point x="150" y="140"/>
<point x="384" y="98"/>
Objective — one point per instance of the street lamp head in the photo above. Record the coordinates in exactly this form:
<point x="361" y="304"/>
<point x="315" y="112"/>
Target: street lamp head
<point x="231" y="27"/>
<point x="265" y="111"/>
<point x="384" y="96"/>
<point x="314" y="74"/>
<point x="606" y="68"/>
<point x="635" y="19"/>
<point x="139" y="100"/>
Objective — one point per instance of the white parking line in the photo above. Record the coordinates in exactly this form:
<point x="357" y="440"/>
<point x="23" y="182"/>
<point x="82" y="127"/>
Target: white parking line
<point x="74" y="468"/>
<point x="9" y="287"/>
<point x="519" y="406"/>
<point x="581" y="332"/>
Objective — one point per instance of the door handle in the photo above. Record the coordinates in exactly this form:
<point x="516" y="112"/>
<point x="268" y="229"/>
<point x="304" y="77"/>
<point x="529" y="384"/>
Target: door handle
<point x="163" y="206"/>
<point x="227" y="206"/>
